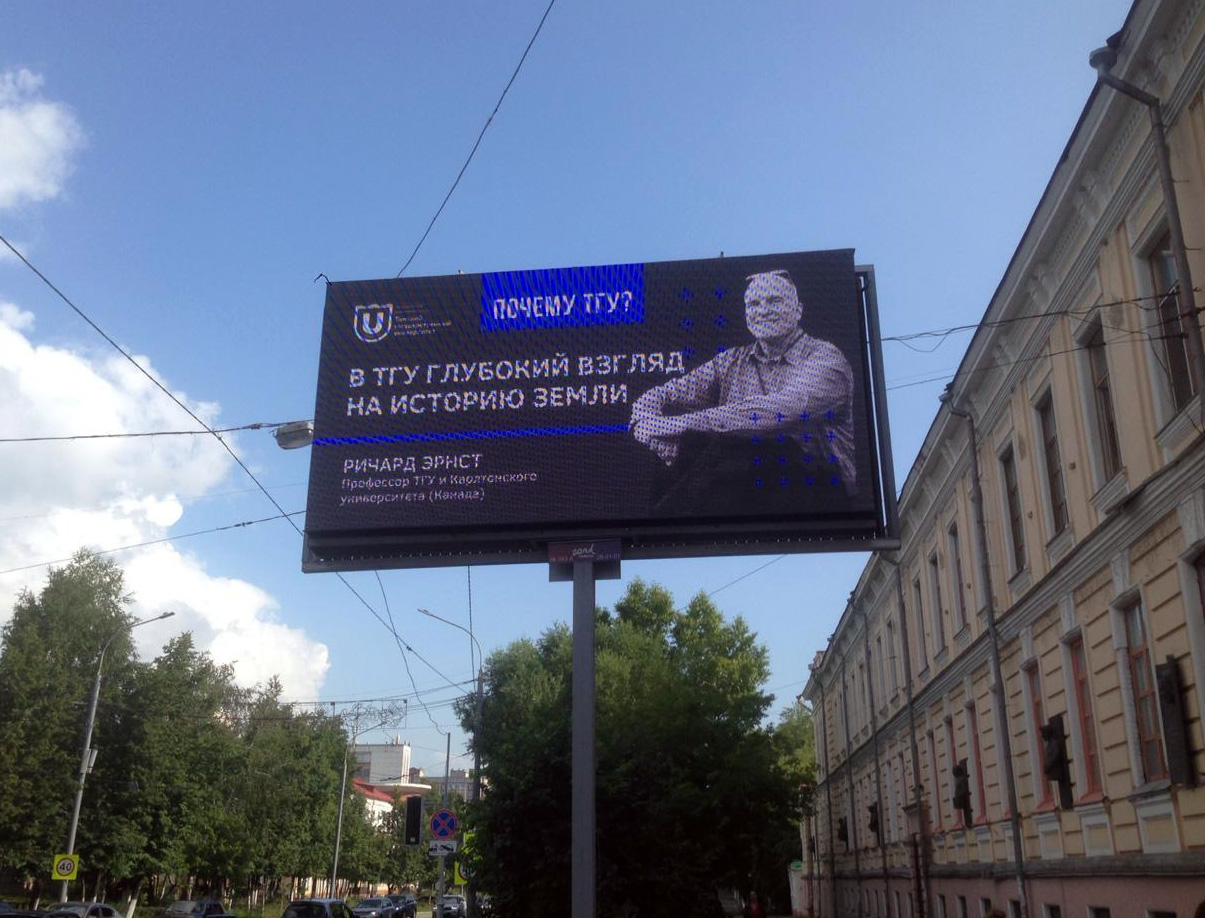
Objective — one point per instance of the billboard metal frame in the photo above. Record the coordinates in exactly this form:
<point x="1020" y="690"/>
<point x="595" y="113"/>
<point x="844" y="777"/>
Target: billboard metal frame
<point x="526" y="544"/>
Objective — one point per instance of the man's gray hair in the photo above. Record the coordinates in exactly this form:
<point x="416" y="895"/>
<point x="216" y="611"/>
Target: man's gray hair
<point x="780" y="273"/>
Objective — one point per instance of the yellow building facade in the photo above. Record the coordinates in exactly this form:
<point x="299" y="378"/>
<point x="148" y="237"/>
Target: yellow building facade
<point x="1090" y="440"/>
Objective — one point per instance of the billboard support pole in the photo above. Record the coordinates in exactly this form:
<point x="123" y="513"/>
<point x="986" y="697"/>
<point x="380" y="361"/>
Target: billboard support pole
<point x="582" y="857"/>
<point x="583" y="563"/>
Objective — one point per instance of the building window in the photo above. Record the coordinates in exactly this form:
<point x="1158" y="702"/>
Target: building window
<point x="1145" y="703"/>
<point x="1083" y="713"/>
<point x="891" y="668"/>
<point x="1098" y="911"/>
<point x="939" y="630"/>
<point x="878" y="662"/>
<point x="1012" y="507"/>
<point x="1052" y="910"/>
<point x="1041" y="785"/>
<point x="957" y="584"/>
<point x="977" y="764"/>
<point x="941" y="906"/>
<point x="919" y="618"/>
<point x="936" y="779"/>
<point x="962" y="906"/>
<point x="1056" y="492"/>
<point x="1172" y="333"/>
<point x="1102" y="402"/>
<point x="985" y="908"/>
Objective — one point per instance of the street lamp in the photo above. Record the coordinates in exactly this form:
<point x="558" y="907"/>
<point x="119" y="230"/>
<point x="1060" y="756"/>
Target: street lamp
<point x="294" y="435"/>
<point x="472" y="886"/>
<point x="89" y="754"/>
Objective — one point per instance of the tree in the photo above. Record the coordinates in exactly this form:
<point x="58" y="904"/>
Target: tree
<point x="692" y="792"/>
<point x="48" y="658"/>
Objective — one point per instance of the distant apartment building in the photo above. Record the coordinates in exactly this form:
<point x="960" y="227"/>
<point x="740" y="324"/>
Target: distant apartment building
<point x="383" y="764"/>
<point x="460" y="781"/>
<point x="1090" y="440"/>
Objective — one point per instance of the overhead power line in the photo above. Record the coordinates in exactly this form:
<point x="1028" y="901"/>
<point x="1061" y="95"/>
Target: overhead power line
<point x="484" y="128"/>
<point x="184" y="535"/>
<point x="260" y="425"/>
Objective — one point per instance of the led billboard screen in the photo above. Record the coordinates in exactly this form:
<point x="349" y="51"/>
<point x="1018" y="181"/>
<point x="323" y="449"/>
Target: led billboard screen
<point x="688" y="408"/>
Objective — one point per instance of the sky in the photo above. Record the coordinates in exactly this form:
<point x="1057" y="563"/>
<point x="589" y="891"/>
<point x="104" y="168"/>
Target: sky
<point x="183" y="173"/>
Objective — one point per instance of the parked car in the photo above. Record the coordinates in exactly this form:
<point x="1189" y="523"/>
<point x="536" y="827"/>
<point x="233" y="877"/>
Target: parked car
<point x="374" y="908"/>
<point x="450" y="907"/>
<point x="405" y="904"/>
<point x="317" y="908"/>
<point x="84" y="910"/>
<point x="196" y="908"/>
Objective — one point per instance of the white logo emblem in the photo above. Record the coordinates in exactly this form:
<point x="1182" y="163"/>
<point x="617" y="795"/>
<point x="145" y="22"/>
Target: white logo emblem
<point x="373" y="322"/>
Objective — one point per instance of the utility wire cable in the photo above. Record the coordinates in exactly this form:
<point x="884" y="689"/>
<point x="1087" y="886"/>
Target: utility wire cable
<point x="184" y="535"/>
<point x="283" y="514"/>
<point x="260" y="425"/>
<point x="484" y="128"/>
<point x="402" y="648"/>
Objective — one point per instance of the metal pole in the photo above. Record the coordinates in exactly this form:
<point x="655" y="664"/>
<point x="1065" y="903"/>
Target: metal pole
<point x="583" y="854"/>
<point x="443" y="860"/>
<point x="339" y="819"/>
<point x="86" y="757"/>
<point x="85" y="762"/>
<point x="993" y="646"/>
<point x="849" y="778"/>
<point x="471" y="886"/>
<point x="1189" y="319"/>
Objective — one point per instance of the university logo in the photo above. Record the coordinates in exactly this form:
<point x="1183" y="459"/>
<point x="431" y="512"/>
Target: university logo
<point x="373" y="322"/>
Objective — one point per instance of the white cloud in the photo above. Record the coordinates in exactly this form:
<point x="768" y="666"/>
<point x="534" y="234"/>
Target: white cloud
<point x="107" y="493"/>
<point x="39" y="141"/>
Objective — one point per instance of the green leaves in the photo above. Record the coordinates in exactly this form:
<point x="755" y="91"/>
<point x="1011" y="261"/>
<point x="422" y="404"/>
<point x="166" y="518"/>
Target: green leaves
<point x="691" y="789"/>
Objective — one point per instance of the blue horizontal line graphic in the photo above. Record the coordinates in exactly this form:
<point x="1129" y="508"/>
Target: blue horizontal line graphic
<point x="473" y="435"/>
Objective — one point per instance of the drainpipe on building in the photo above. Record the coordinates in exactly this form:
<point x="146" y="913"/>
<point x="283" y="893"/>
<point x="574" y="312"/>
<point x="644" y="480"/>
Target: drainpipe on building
<point x="874" y="734"/>
<point x="849" y="781"/>
<point x="828" y="792"/>
<point x="920" y="846"/>
<point x="993" y="645"/>
<point x="1102" y="61"/>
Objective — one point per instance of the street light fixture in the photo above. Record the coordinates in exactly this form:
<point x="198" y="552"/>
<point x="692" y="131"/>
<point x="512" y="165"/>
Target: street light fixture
<point x="472" y="898"/>
<point x="294" y="435"/>
<point x="89" y="754"/>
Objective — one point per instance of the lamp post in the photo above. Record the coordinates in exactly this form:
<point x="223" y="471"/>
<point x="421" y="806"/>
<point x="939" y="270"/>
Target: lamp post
<point x="471" y="885"/>
<point x="89" y="754"/>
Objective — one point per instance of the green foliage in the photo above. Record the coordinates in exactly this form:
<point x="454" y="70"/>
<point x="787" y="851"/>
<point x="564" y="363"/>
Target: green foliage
<point x="194" y="776"/>
<point x="692" y="791"/>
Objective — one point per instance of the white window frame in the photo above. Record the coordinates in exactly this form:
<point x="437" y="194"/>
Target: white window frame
<point x="1121" y="649"/>
<point x="958" y="604"/>
<point x="1092" y="432"/>
<point x="1006" y="525"/>
<point x="1046" y="394"/>
<point x="933" y="565"/>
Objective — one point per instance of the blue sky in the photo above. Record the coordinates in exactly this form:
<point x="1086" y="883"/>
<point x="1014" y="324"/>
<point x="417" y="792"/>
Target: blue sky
<point x="184" y="172"/>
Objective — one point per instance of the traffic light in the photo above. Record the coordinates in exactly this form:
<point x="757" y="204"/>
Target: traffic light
<point x="414" y="820"/>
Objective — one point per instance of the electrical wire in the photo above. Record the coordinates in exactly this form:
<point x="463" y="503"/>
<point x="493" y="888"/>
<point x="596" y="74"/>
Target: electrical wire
<point x="242" y="465"/>
<point x="184" y="535"/>
<point x="484" y="128"/>
<point x="260" y="425"/>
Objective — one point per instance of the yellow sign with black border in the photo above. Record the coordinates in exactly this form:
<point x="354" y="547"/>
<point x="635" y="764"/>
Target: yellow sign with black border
<point x="64" y="867"/>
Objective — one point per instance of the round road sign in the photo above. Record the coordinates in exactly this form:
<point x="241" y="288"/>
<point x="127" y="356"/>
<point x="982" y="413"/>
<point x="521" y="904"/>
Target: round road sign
<point x="64" y="867"/>
<point x="443" y="825"/>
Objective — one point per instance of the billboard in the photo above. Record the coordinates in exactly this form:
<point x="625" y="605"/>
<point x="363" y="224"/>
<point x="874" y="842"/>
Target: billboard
<point x="716" y="406"/>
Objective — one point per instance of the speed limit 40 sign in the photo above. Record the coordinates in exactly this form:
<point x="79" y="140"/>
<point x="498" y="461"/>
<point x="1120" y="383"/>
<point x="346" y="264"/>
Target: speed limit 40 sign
<point x="65" y="867"/>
